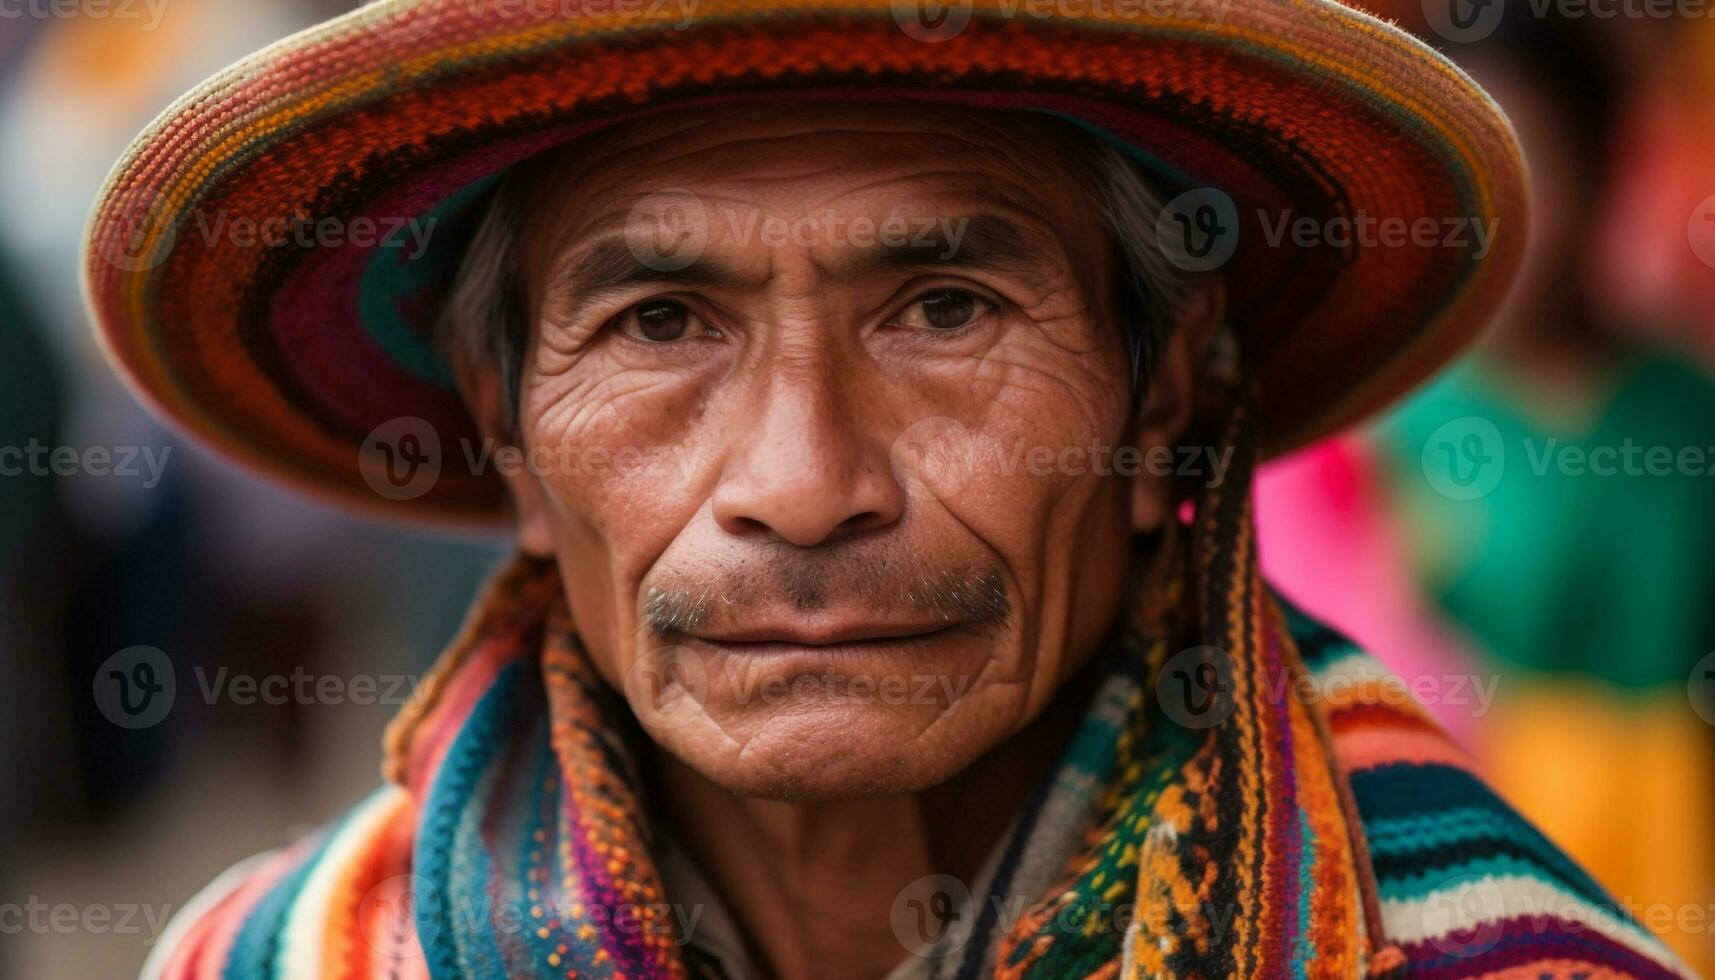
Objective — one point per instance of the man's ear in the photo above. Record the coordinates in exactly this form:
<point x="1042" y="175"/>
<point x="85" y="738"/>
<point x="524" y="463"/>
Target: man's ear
<point x="1170" y="399"/>
<point x="480" y="386"/>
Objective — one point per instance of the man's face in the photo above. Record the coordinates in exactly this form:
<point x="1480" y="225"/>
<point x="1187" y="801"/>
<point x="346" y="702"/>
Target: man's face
<point x="811" y="399"/>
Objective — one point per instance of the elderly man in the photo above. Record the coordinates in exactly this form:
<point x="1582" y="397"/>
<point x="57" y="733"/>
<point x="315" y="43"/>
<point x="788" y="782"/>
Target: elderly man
<point x="875" y="436"/>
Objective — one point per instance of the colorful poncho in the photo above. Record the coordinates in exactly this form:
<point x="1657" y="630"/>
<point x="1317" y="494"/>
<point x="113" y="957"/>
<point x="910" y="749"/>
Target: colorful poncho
<point x="1292" y="815"/>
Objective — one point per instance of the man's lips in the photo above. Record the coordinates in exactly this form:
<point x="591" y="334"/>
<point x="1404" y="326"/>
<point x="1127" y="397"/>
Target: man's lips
<point x="833" y="634"/>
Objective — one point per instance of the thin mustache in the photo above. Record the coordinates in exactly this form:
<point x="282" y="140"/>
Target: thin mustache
<point x="951" y="595"/>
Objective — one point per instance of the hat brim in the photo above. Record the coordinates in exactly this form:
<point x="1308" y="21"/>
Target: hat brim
<point x="289" y="350"/>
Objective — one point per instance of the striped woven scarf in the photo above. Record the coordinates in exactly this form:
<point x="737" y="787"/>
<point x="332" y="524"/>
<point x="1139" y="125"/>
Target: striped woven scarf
<point x="1219" y="836"/>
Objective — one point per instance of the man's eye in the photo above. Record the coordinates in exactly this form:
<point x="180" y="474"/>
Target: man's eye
<point x="662" y="321"/>
<point x="944" y="309"/>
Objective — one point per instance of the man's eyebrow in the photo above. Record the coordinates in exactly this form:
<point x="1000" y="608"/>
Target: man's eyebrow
<point x="611" y="264"/>
<point x="984" y="241"/>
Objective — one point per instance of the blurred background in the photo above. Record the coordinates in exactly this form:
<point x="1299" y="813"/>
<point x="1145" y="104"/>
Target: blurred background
<point x="1528" y="540"/>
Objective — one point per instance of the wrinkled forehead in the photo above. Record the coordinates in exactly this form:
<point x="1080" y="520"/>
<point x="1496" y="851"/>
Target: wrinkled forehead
<point x="770" y="140"/>
<point x="836" y="161"/>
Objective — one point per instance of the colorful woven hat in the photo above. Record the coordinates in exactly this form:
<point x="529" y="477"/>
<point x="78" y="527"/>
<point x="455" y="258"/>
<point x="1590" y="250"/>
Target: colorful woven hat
<point x="253" y="267"/>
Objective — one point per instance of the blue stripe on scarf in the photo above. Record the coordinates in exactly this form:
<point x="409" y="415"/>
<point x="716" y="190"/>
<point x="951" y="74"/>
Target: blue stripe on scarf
<point x="1303" y="950"/>
<point x="1405" y="792"/>
<point x="471" y="871"/>
<point x="256" y="948"/>
<point x="481" y="737"/>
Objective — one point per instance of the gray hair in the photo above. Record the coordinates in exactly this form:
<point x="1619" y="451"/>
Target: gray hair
<point x="483" y="320"/>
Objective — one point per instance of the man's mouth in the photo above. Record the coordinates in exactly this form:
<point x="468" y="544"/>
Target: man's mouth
<point x="784" y="637"/>
<point x="849" y="599"/>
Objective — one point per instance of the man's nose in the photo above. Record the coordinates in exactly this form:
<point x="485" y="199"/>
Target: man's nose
<point x="805" y="471"/>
